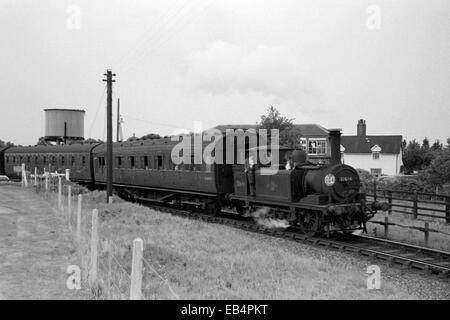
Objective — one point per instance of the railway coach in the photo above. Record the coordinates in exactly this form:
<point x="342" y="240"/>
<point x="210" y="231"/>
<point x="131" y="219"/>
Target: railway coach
<point x="76" y="157"/>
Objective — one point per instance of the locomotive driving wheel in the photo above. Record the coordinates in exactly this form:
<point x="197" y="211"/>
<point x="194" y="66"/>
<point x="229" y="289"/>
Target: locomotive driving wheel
<point x="310" y="222"/>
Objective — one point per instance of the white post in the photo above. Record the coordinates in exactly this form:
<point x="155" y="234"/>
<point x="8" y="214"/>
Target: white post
<point x="35" y="176"/>
<point x="110" y="200"/>
<point x="46" y="181"/>
<point x="68" y="174"/>
<point x="59" y="192"/>
<point x="136" y="270"/>
<point x="69" y="201"/>
<point x="80" y="199"/>
<point x="94" y="248"/>
<point x="24" y="175"/>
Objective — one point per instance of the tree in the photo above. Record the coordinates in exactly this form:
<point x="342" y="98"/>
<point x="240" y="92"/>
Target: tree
<point x="437" y="145"/>
<point x="91" y="141"/>
<point x="42" y="142"/>
<point x="274" y="120"/>
<point x="150" y="136"/>
<point x="6" y="144"/>
<point x="438" y="172"/>
<point x="413" y="157"/>
<point x="426" y="144"/>
<point x="448" y="144"/>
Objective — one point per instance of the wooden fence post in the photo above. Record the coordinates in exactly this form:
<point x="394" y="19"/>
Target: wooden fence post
<point x="94" y="249"/>
<point x="59" y="192"/>
<point x="110" y="200"/>
<point x="46" y="182"/>
<point x="374" y="190"/>
<point x="426" y="234"/>
<point x="69" y="201"/>
<point x="415" y="205"/>
<point x="390" y="202"/>
<point x="447" y="209"/>
<point x="110" y="257"/>
<point x="35" y="176"/>
<point x="136" y="270"/>
<point x="78" y="232"/>
<point x="386" y="227"/>
<point x="24" y="176"/>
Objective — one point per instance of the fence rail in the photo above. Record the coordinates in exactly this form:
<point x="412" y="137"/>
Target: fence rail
<point x="415" y="203"/>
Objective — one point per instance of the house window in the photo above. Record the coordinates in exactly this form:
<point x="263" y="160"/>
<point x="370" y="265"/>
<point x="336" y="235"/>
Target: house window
<point x="303" y="143"/>
<point x="375" y="171"/>
<point x="375" y="155"/>
<point x="317" y="147"/>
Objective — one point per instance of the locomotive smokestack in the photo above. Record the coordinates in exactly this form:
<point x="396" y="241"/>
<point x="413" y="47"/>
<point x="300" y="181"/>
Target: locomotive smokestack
<point x="335" y="142"/>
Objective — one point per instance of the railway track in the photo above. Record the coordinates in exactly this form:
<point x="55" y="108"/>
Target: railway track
<point x="395" y="253"/>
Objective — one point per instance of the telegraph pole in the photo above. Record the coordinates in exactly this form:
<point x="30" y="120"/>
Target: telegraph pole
<point x="109" y="154"/>
<point x="118" y="120"/>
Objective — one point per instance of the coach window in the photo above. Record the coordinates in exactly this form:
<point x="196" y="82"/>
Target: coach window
<point x="28" y="159"/>
<point x="73" y="160"/>
<point x="63" y="160"/>
<point x="44" y="159"/>
<point x="146" y="162"/>
<point x="119" y="162"/>
<point x="53" y="159"/>
<point x="160" y="162"/>
<point x="83" y="160"/>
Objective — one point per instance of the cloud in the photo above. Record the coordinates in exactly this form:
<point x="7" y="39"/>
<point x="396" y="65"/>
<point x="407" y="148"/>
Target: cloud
<point x="227" y="68"/>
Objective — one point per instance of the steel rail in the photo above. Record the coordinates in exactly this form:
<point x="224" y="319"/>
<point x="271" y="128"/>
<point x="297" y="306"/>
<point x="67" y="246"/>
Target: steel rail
<point x="406" y="255"/>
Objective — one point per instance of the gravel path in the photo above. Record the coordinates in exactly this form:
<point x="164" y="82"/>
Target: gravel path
<point x="35" y="248"/>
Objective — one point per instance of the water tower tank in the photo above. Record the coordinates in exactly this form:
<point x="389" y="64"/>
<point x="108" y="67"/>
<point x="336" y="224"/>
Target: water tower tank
<point x="64" y="124"/>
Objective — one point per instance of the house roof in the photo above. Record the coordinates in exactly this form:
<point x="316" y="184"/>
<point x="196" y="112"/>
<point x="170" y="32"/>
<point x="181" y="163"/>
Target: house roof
<point x="306" y="130"/>
<point x="311" y="130"/>
<point x="364" y="144"/>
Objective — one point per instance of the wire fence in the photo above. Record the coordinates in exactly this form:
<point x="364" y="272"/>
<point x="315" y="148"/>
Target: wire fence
<point x="111" y="272"/>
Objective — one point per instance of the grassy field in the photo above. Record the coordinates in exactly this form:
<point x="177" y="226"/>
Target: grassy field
<point x="190" y="259"/>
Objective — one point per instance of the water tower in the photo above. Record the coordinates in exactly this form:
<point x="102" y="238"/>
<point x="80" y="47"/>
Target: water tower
<point x="64" y="125"/>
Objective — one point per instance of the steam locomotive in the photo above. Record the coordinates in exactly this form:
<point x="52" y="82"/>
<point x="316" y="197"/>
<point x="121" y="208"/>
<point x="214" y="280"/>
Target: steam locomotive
<point x="316" y="198"/>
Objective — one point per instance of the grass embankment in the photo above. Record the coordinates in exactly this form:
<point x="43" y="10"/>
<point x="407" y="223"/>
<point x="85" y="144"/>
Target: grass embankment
<point x="208" y="261"/>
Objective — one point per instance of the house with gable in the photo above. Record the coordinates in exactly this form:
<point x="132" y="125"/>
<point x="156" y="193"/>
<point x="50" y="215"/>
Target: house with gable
<point x="380" y="155"/>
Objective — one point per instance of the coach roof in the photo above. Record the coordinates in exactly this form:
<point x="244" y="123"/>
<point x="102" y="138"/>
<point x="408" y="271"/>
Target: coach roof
<point x="70" y="148"/>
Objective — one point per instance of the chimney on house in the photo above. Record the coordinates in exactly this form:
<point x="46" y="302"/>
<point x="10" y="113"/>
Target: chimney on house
<point x="361" y="128"/>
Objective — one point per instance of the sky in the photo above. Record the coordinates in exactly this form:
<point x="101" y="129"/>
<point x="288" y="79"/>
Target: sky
<point x="181" y="62"/>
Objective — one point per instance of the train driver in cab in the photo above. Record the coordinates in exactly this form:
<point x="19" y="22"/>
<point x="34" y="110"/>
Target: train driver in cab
<point x="250" y="168"/>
